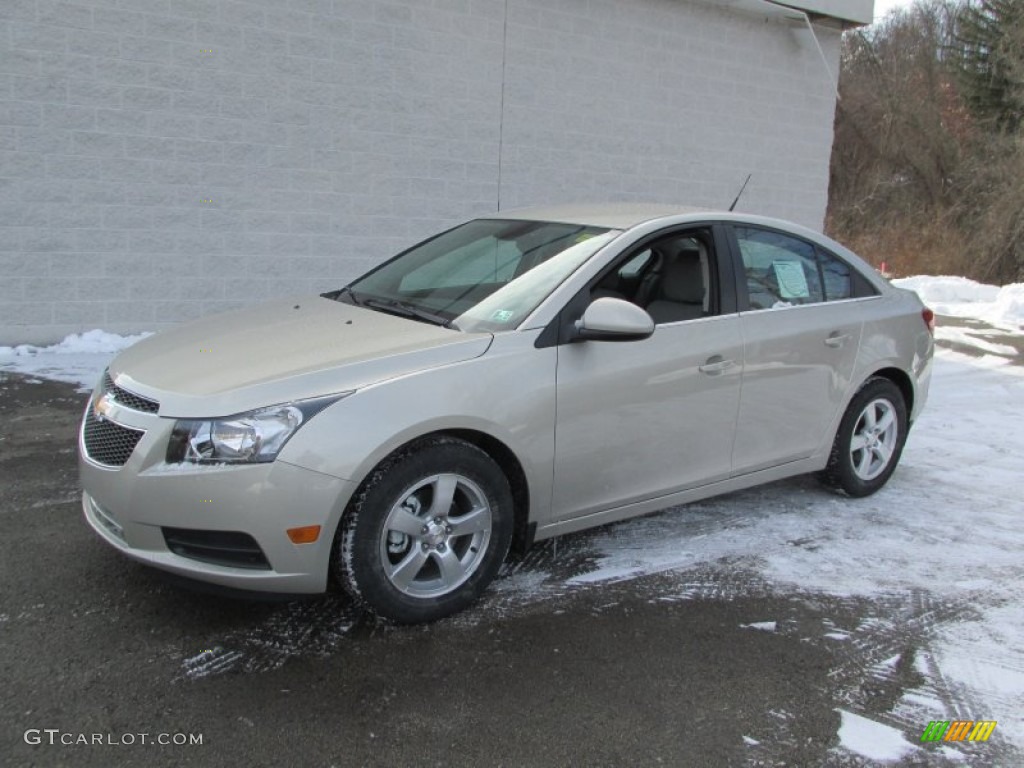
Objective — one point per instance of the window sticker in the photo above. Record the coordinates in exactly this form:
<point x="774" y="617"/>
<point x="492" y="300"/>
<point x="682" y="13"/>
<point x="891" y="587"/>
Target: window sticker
<point x="582" y="238"/>
<point x="502" y="315"/>
<point x="792" y="280"/>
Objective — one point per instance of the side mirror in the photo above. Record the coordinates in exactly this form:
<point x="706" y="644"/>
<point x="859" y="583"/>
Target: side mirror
<point x="609" y="319"/>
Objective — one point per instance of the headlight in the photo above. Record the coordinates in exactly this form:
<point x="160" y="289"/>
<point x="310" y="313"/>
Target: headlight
<point x="248" y="438"/>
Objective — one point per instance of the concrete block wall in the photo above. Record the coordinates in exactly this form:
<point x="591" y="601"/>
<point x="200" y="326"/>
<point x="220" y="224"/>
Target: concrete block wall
<point x="667" y="101"/>
<point x="161" y="160"/>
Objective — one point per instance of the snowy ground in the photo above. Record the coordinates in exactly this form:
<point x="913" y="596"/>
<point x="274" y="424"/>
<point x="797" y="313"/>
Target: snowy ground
<point x="78" y="359"/>
<point x="938" y="551"/>
<point x="957" y="496"/>
<point x="960" y="297"/>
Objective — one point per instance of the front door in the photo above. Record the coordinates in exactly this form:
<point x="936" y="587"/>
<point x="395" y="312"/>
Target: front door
<point x="641" y="419"/>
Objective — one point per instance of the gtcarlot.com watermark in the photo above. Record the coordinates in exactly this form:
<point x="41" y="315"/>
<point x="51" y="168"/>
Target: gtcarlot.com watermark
<point x="57" y="737"/>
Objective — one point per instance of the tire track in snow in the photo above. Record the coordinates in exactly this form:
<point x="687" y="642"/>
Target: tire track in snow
<point x="889" y="672"/>
<point x="301" y="628"/>
<point x="903" y="694"/>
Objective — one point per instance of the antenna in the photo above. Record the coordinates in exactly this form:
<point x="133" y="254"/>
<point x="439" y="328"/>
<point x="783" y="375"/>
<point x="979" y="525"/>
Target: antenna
<point x="733" y="206"/>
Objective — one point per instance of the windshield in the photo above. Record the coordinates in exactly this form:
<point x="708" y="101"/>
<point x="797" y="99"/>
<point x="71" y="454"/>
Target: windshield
<point x="486" y="275"/>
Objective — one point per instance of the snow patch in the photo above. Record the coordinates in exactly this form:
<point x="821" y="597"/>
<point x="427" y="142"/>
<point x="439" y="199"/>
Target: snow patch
<point x="837" y="635"/>
<point x="872" y="740"/>
<point x="971" y="338"/>
<point x="951" y="754"/>
<point x="79" y="359"/>
<point x="924" y="701"/>
<point x="1009" y="306"/>
<point x="764" y="626"/>
<point x="948" y="289"/>
<point x="960" y="297"/>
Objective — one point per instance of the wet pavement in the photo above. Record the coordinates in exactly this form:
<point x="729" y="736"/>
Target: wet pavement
<point x="709" y="665"/>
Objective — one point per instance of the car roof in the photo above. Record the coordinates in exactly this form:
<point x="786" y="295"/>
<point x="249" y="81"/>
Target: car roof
<point x="607" y="215"/>
<point x="626" y="216"/>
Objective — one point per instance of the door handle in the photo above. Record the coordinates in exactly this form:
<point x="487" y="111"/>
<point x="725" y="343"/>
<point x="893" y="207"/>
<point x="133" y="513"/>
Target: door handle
<point x="715" y="365"/>
<point x="836" y="339"/>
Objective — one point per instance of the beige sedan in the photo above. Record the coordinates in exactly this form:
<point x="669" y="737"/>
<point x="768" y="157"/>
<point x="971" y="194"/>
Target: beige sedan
<point x="517" y="377"/>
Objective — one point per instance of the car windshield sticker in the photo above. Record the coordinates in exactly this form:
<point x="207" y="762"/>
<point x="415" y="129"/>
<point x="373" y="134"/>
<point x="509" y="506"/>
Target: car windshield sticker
<point x="791" y="279"/>
<point x="583" y="237"/>
<point x="502" y="315"/>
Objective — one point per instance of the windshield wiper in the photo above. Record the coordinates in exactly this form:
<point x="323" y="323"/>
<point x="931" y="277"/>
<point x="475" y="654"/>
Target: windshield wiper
<point x="402" y="309"/>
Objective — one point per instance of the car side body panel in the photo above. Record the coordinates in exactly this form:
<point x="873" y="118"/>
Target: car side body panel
<point x="798" y="364"/>
<point x="895" y="336"/>
<point x="909" y="349"/>
<point x="697" y="493"/>
<point x="639" y="419"/>
<point x="507" y="394"/>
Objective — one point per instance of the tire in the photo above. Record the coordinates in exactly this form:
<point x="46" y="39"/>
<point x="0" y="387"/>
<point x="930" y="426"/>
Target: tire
<point x="869" y="441"/>
<point x="410" y="559"/>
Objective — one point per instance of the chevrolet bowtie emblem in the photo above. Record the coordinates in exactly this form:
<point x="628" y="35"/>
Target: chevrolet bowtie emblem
<point x="102" y="407"/>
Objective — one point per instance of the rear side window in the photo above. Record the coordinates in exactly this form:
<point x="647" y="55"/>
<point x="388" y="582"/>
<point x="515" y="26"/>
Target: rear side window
<point x="785" y="271"/>
<point x="836" y="277"/>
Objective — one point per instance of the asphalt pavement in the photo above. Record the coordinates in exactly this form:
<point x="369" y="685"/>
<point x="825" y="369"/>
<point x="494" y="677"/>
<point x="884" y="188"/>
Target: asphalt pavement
<point x="95" y="648"/>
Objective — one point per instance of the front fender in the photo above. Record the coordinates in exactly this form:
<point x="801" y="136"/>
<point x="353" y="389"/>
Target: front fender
<point x="508" y="394"/>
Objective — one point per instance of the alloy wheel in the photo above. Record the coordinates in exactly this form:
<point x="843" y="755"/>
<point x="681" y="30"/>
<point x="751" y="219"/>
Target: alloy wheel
<point x="435" y="536"/>
<point x="874" y="439"/>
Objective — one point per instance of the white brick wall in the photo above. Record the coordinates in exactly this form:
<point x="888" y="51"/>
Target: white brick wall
<point x="165" y="159"/>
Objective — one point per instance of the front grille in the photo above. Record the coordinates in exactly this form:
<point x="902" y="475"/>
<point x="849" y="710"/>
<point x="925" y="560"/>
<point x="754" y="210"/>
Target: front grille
<point x="109" y="443"/>
<point x="126" y="398"/>
<point x="230" y="548"/>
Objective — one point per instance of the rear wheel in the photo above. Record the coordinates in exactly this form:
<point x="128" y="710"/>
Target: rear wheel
<point x="427" y="532"/>
<point x="869" y="441"/>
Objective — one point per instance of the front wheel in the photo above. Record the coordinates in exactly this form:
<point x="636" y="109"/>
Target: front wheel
<point x="869" y="441"/>
<point x="426" y="532"/>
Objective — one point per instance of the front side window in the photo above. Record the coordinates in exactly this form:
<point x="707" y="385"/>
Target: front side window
<point x="785" y="271"/>
<point x="633" y="268"/>
<point x="486" y="275"/>
<point x="670" y="277"/>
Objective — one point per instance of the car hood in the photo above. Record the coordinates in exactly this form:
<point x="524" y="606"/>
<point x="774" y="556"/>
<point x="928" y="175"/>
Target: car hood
<point x="283" y="351"/>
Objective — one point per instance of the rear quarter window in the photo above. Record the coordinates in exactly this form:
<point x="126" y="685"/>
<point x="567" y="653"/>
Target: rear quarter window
<point x="835" y="276"/>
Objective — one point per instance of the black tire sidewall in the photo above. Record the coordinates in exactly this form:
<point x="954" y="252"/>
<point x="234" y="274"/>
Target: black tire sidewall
<point x="357" y="548"/>
<point x="840" y="469"/>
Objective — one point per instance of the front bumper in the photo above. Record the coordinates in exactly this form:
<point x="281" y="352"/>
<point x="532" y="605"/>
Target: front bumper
<point x="132" y="506"/>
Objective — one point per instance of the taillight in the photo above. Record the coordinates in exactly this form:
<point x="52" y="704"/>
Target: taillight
<point x="929" y="319"/>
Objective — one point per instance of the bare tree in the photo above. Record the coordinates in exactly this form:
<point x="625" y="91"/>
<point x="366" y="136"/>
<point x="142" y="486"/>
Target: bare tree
<point x="901" y="134"/>
<point x="922" y="177"/>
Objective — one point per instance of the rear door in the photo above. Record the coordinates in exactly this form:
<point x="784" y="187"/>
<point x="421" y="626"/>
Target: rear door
<point x="640" y="419"/>
<point x="801" y="329"/>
